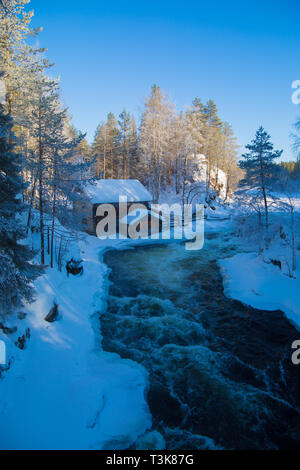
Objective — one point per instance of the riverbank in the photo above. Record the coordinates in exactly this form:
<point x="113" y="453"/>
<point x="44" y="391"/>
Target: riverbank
<point x="62" y="391"/>
<point x="247" y="278"/>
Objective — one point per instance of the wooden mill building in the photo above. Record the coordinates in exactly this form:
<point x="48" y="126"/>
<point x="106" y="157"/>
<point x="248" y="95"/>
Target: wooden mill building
<point x="110" y="191"/>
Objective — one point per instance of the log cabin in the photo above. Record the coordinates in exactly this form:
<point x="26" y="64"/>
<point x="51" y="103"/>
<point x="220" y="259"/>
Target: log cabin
<point x="111" y="191"/>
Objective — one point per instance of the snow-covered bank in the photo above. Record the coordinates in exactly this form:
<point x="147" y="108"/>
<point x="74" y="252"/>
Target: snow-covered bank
<point x="62" y="391"/>
<point x="263" y="286"/>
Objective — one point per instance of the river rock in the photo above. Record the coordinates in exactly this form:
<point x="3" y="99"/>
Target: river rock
<point x="151" y="440"/>
<point x="53" y="314"/>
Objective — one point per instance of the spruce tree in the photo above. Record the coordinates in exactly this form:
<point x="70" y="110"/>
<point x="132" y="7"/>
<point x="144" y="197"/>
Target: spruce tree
<point x="17" y="272"/>
<point x="259" y="164"/>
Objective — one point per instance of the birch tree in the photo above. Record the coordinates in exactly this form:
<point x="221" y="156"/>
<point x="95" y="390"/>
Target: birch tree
<point x="155" y="134"/>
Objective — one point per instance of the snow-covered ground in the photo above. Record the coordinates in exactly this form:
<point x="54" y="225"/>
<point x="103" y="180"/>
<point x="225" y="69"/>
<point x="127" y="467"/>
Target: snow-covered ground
<point x="246" y="277"/>
<point x="253" y="279"/>
<point x="63" y="391"/>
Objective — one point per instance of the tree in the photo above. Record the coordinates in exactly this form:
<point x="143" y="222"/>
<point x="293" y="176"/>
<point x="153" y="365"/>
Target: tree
<point x="155" y="135"/>
<point x="58" y="166"/>
<point x="106" y="149"/>
<point x="288" y="186"/>
<point x="17" y="272"/>
<point x="296" y="139"/>
<point x="124" y="124"/>
<point x="229" y="164"/>
<point x="83" y="151"/>
<point x="136" y="168"/>
<point x="19" y="60"/>
<point x="100" y="151"/>
<point x="259" y="166"/>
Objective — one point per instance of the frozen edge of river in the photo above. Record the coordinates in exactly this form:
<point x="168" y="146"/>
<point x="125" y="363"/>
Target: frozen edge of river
<point x="260" y="285"/>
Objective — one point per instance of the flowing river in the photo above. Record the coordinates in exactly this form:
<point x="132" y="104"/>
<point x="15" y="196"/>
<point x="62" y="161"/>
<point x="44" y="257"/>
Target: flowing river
<point x="220" y="373"/>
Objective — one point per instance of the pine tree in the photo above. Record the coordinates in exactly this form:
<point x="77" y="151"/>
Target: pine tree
<point x="18" y="59"/>
<point x="124" y="124"/>
<point x="259" y="166"/>
<point x="135" y="166"/>
<point x="17" y="272"/>
<point x="99" y="151"/>
<point x="113" y="167"/>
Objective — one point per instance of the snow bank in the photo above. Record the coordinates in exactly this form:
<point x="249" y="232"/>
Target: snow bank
<point x="63" y="391"/>
<point x="263" y="286"/>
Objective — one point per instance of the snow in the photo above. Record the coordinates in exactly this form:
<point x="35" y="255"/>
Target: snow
<point x="200" y="173"/>
<point x="109" y="191"/>
<point x="251" y="278"/>
<point x="247" y="278"/>
<point x="63" y="391"/>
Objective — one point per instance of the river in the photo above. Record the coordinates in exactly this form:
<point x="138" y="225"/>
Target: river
<point x="220" y="372"/>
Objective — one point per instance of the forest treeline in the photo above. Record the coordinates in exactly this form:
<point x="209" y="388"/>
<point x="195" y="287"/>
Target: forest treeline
<point x="163" y="150"/>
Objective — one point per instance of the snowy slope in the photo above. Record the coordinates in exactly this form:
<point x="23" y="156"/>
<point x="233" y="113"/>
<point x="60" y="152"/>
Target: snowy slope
<point x="62" y="391"/>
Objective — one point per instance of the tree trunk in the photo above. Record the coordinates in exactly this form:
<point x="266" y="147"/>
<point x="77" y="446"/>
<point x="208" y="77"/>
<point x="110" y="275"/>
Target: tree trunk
<point x="48" y="241"/>
<point x="263" y="188"/>
<point x="41" y="220"/>
<point x="104" y="160"/>
<point x="30" y="205"/>
<point x="53" y="218"/>
<point x="177" y="175"/>
<point x="293" y="239"/>
<point x="41" y="208"/>
<point x="124" y="158"/>
<point x="52" y="239"/>
<point x="9" y="94"/>
<point x="184" y="179"/>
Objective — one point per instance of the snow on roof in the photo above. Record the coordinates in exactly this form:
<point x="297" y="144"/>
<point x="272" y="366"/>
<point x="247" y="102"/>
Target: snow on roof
<point x="109" y="191"/>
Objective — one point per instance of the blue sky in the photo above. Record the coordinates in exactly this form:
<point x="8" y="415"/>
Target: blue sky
<point x="243" y="55"/>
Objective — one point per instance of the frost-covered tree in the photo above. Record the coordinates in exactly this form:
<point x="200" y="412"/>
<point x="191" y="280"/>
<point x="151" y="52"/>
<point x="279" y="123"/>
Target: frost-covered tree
<point x="229" y="164"/>
<point x="16" y="272"/>
<point x="296" y="139"/>
<point x="19" y="60"/>
<point x="259" y="166"/>
<point x="155" y="135"/>
<point x="58" y="169"/>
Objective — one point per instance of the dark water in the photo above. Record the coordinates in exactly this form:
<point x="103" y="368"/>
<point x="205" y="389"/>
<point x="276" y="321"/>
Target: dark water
<point x="220" y="372"/>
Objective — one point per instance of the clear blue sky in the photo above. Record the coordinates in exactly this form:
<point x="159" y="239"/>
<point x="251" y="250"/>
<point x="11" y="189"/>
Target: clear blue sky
<point x="242" y="54"/>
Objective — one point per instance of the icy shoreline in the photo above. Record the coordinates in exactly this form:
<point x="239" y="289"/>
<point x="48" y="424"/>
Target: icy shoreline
<point x="263" y="286"/>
